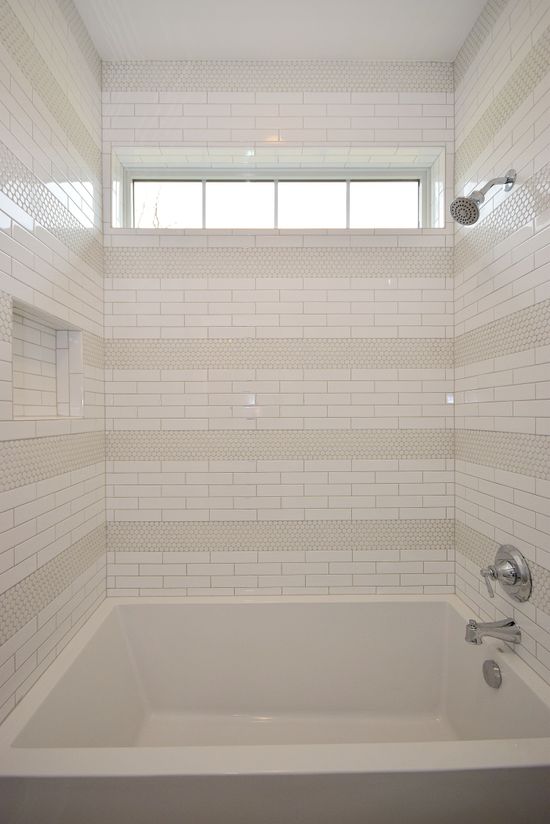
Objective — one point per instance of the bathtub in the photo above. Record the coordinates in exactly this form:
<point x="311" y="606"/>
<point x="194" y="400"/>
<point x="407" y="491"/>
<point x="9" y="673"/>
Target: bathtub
<point x="276" y="710"/>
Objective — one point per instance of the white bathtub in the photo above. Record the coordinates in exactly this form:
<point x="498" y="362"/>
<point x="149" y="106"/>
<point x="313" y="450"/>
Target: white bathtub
<point x="267" y="711"/>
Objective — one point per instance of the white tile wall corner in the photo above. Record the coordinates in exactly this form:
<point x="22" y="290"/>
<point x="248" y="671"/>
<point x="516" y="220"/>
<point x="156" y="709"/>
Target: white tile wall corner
<point x="502" y="291"/>
<point x="52" y="472"/>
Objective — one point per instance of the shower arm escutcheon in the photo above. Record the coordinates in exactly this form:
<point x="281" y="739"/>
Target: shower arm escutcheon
<point x="507" y="181"/>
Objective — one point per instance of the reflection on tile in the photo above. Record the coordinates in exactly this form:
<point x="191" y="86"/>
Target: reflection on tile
<point x="35" y="69"/>
<point x="21" y="186"/>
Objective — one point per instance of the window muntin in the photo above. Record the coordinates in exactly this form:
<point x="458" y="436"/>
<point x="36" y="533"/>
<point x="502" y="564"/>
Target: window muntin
<point x="271" y="203"/>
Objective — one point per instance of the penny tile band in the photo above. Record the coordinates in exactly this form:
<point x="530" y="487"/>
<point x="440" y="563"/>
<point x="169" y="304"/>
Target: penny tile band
<point x="511" y="451"/>
<point x="276" y="75"/>
<point x="93" y="350"/>
<point x="323" y="353"/>
<point x="256" y="262"/>
<point x="6" y="321"/>
<point x="304" y="536"/>
<point x="28" y="460"/>
<point x="23" y="601"/>
<point x="516" y="332"/>
<point x="279" y="444"/>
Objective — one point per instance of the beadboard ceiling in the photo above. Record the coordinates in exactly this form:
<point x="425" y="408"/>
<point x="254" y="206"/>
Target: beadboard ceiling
<point x="255" y="29"/>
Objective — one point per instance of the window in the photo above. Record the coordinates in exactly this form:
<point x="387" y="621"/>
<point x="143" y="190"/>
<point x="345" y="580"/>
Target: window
<point x="167" y="204"/>
<point x="239" y="204"/>
<point x="278" y="187"/>
<point x="312" y="204"/>
<point x="277" y="204"/>
<point x="383" y="204"/>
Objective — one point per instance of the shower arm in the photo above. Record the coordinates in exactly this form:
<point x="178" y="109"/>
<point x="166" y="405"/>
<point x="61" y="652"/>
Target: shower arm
<point x="507" y="181"/>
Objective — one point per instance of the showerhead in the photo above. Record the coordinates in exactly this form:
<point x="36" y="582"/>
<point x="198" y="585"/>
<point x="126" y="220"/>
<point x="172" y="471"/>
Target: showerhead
<point x="465" y="210"/>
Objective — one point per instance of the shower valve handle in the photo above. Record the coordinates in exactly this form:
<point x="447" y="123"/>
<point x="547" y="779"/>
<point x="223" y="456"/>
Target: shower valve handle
<point x="489" y="574"/>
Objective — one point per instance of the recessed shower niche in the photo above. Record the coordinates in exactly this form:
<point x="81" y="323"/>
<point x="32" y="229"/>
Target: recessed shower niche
<point x="47" y="366"/>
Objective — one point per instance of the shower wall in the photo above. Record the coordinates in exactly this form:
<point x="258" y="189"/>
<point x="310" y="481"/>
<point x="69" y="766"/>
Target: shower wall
<point x="502" y="299"/>
<point x="52" y="469"/>
<point x="277" y="401"/>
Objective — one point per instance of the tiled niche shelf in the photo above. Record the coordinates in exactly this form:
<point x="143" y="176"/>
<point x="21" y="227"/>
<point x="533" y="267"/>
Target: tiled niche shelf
<point x="47" y="366"/>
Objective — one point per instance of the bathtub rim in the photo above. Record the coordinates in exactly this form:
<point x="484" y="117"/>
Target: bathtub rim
<point x="280" y="759"/>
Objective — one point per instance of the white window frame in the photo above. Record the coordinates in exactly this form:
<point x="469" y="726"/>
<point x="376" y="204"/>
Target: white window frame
<point x="277" y="176"/>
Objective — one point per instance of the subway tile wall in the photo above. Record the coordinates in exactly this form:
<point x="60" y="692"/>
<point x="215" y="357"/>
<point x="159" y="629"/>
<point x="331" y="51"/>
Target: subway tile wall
<point x="52" y="470"/>
<point x="279" y="404"/>
<point x="502" y="305"/>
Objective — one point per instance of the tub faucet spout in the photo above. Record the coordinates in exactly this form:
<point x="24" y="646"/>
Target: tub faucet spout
<point x="506" y="630"/>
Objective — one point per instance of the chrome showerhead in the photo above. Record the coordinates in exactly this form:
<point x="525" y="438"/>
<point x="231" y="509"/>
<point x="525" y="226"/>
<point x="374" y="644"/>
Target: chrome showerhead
<point x="465" y="210"/>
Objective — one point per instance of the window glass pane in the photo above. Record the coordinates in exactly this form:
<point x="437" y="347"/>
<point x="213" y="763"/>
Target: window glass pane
<point x="240" y="205"/>
<point x="391" y="204"/>
<point x="167" y="204"/>
<point x="312" y="205"/>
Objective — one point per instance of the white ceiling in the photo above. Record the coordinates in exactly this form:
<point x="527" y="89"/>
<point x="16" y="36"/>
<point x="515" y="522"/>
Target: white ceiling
<point x="241" y="29"/>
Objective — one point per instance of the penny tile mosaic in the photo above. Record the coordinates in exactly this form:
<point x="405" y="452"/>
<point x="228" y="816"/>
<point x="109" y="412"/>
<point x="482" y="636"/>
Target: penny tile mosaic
<point x="228" y="262"/>
<point x="269" y="445"/>
<point x="276" y="75"/>
<point x="324" y="353"/>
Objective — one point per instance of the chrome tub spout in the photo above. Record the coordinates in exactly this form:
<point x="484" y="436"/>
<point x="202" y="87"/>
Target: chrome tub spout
<point x="505" y="630"/>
